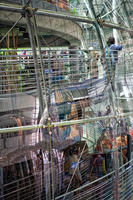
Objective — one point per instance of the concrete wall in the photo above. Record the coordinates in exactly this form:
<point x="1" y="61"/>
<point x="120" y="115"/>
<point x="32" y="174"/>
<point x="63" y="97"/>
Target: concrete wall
<point x="16" y="103"/>
<point x="66" y="29"/>
<point x="41" y="4"/>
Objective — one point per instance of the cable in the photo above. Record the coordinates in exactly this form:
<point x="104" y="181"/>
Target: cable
<point x="11" y="28"/>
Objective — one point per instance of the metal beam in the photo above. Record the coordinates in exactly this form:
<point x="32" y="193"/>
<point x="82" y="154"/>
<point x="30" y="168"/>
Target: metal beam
<point x="20" y="128"/>
<point x="48" y="13"/>
<point x="19" y="9"/>
<point x="119" y="27"/>
<point x="36" y="65"/>
<point x="65" y="123"/>
<point x="91" y="120"/>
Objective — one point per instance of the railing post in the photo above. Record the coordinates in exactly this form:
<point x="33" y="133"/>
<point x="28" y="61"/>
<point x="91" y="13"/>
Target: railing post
<point x="57" y="5"/>
<point x="116" y="175"/>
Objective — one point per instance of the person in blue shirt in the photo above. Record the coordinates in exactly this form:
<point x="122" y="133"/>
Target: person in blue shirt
<point x="114" y="49"/>
<point x="111" y="55"/>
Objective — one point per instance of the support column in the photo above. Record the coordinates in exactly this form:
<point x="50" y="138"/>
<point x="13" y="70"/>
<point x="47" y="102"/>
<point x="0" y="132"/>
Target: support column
<point x="36" y="65"/>
<point x="102" y="42"/>
<point x="99" y="31"/>
<point x="115" y="32"/>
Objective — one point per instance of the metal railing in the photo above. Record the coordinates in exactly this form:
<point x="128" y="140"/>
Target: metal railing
<point x="115" y="185"/>
<point x="18" y="74"/>
<point x="36" y="184"/>
<point x="71" y="78"/>
<point x="61" y="70"/>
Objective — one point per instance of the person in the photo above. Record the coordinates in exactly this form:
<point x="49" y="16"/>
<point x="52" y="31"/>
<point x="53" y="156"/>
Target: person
<point x="108" y="110"/>
<point x="23" y="52"/>
<point x="39" y="161"/>
<point x="74" y="167"/>
<point x="98" y="168"/>
<point x="111" y="54"/>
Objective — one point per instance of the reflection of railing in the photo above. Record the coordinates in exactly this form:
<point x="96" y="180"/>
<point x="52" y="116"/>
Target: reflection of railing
<point x="68" y="67"/>
<point x="18" y="74"/>
<point x="116" y="185"/>
<point x="16" y="71"/>
<point x="33" y="182"/>
<point x="61" y="68"/>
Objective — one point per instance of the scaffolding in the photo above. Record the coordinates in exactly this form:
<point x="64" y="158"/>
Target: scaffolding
<point x="60" y="102"/>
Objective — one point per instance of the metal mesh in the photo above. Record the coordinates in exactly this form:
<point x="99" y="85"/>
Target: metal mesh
<point x="88" y="106"/>
<point x="111" y="186"/>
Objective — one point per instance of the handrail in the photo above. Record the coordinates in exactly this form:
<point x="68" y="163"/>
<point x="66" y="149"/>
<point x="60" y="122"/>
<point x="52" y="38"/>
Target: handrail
<point x="97" y="181"/>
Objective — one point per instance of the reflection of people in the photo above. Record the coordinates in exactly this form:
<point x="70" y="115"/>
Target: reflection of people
<point x="74" y="167"/>
<point x="104" y="143"/>
<point x="39" y="162"/>
<point x="97" y="167"/>
<point x="111" y="55"/>
<point x="23" y="52"/>
<point x="74" y="133"/>
<point x="108" y="110"/>
<point x="114" y="49"/>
